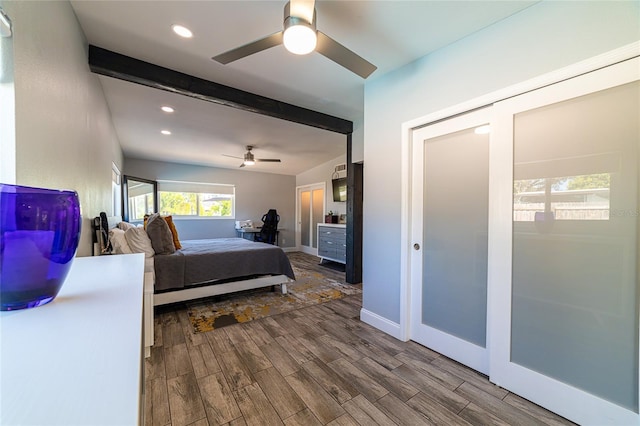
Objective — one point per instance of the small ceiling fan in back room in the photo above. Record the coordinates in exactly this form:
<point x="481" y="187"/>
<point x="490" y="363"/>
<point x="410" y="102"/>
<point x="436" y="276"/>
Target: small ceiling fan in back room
<point x="250" y="160"/>
<point x="301" y="37"/>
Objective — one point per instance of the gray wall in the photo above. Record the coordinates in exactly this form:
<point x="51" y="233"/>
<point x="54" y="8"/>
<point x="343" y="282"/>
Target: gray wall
<point x="540" y="39"/>
<point x="323" y="173"/>
<point x="357" y="142"/>
<point x="64" y="135"/>
<point x="256" y="193"/>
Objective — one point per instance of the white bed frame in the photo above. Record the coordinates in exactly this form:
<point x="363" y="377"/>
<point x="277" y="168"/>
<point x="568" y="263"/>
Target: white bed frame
<point x="216" y="289"/>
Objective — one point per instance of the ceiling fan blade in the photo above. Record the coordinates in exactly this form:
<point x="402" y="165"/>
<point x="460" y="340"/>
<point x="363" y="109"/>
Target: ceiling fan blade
<point x="302" y="9"/>
<point x="341" y="55"/>
<point x="233" y="156"/>
<point x="268" y="160"/>
<point x="242" y="165"/>
<point x="249" y="49"/>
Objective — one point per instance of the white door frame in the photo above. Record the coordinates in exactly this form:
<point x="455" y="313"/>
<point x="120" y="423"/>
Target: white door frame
<point x="308" y="187"/>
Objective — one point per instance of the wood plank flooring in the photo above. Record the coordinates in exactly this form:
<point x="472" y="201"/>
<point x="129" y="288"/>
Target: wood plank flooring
<point x="318" y="365"/>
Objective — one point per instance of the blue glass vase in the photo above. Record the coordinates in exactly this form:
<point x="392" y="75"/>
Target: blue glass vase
<point x="39" y="236"/>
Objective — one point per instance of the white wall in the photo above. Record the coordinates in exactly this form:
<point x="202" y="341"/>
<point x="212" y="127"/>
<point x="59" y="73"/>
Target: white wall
<point x="323" y="173"/>
<point x="540" y="39"/>
<point x="64" y="135"/>
<point x="256" y="193"/>
<point x="7" y="112"/>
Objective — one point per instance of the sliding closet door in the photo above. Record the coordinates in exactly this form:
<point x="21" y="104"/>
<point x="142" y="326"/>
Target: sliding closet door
<point x="450" y="193"/>
<point x="564" y="246"/>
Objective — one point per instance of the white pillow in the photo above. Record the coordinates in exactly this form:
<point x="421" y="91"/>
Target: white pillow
<point x="125" y="225"/>
<point x="119" y="241"/>
<point x="139" y="241"/>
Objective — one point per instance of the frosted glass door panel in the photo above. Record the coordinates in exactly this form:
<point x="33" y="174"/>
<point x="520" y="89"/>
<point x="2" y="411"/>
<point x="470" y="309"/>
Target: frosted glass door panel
<point x="575" y="243"/>
<point x="305" y="218"/>
<point x="317" y="196"/>
<point x="456" y="190"/>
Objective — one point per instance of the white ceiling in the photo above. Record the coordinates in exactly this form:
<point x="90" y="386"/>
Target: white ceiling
<point x="389" y="34"/>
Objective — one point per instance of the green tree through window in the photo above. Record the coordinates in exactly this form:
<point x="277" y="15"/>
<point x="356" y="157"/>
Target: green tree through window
<point x="196" y="204"/>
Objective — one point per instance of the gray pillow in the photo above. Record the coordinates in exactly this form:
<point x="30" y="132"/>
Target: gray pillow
<point x="160" y="235"/>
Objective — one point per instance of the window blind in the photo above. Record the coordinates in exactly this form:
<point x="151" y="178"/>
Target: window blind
<point x="198" y="187"/>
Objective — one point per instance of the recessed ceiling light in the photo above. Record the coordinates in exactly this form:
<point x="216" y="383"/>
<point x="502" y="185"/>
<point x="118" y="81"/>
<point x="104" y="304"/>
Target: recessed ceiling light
<point x="167" y="109"/>
<point x="182" y="31"/>
<point x="482" y="130"/>
<point x="165" y="132"/>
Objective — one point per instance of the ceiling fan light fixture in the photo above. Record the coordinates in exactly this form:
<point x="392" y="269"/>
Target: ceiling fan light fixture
<point x="299" y="37"/>
<point x="249" y="160"/>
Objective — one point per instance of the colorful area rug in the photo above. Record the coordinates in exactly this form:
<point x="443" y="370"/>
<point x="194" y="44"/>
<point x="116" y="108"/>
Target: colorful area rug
<point x="310" y="288"/>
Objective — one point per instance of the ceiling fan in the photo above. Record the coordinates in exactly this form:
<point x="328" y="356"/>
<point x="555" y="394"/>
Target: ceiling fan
<point x="301" y="37"/>
<point x="250" y="160"/>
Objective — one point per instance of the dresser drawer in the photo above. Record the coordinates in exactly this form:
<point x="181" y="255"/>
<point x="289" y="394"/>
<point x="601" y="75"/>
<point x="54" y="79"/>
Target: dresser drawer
<point x="332" y="243"/>
<point x="332" y="232"/>
<point x="326" y="251"/>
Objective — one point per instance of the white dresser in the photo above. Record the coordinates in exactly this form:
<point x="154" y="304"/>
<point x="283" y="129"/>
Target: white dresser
<point x="332" y="242"/>
<point x="78" y="359"/>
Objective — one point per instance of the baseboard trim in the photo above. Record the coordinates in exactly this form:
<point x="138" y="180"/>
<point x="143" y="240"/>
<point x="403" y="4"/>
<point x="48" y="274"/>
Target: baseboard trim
<point x="289" y="249"/>
<point x="381" y="323"/>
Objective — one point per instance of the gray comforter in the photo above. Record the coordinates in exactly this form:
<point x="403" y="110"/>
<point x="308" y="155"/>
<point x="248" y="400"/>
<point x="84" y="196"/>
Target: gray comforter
<point x="201" y="261"/>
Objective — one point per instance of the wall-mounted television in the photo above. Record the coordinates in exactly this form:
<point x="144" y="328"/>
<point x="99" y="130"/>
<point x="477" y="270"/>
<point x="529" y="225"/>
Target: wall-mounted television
<point x="339" y="189"/>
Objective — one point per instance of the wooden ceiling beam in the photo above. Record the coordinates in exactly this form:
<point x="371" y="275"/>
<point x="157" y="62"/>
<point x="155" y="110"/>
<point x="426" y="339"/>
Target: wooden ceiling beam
<point x="116" y="65"/>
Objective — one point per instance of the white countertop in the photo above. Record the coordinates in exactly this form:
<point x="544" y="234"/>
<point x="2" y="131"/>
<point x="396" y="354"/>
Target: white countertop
<point x="77" y="359"/>
<point x="334" y="225"/>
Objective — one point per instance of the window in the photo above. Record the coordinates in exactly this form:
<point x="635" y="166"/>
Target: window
<point x="584" y="197"/>
<point x="140" y="205"/>
<point x="196" y="199"/>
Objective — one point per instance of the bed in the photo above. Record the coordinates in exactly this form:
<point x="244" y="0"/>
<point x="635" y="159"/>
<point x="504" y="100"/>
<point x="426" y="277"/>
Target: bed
<point x="217" y="266"/>
<point x="200" y="268"/>
<point x="203" y="268"/>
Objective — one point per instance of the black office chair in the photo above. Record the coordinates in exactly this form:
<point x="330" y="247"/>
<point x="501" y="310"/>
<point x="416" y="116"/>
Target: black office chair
<point x="269" y="228"/>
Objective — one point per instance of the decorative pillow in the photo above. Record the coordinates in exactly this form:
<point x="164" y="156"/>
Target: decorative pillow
<point x="119" y="241"/>
<point x="174" y="231"/>
<point x="139" y="241"/>
<point x="160" y="235"/>
<point x="125" y="225"/>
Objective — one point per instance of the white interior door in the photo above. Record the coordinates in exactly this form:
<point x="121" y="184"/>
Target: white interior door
<point x="449" y="211"/>
<point x="310" y="208"/>
<point x="564" y="258"/>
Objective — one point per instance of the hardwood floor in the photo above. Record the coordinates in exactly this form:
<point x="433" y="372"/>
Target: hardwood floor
<point x="318" y="365"/>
